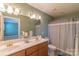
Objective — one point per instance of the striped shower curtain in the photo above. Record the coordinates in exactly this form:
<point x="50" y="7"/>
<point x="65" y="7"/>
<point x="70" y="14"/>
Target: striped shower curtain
<point x="65" y="36"/>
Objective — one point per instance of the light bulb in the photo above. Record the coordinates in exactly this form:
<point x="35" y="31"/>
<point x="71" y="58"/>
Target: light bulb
<point x="33" y="16"/>
<point x="17" y="11"/>
<point x="28" y="14"/>
<point x="2" y="7"/>
<point x="39" y="17"/>
<point x="9" y="10"/>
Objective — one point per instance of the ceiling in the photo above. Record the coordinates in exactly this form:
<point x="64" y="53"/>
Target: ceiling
<point x="56" y="9"/>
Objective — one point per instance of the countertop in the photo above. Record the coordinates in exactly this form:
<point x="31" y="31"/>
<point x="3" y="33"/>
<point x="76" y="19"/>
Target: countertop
<point x="20" y="45"/>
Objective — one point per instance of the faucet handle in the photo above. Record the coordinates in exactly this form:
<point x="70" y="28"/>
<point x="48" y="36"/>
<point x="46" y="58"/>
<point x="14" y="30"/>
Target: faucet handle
<point x="9" y="43"/>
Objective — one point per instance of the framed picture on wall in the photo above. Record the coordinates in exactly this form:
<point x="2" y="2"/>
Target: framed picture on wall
<point x="11" y="28"/>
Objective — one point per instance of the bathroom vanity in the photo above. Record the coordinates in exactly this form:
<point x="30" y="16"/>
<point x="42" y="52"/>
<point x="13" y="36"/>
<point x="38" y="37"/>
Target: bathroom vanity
<point x="37" y="50"/>
<point x="20" y="48"/>
<point x="10" y="30"/>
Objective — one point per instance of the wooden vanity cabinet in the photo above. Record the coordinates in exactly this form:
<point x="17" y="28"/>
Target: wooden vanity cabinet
<point x="32" y="51"/>
<point x="20" y="53"/>
<point x="43" y="49"/>
<point x="37" y="50"/>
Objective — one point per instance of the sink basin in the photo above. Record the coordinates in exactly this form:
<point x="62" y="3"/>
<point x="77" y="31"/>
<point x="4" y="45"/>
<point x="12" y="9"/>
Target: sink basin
<point x="17" y="44"/>
<point x="5" y="48"/>
<point x="2" y="48"/>
<point x="30" y="40"/>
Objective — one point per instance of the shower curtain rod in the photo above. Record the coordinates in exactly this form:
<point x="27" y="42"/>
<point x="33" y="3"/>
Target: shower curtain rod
<point x="64" y="23"/>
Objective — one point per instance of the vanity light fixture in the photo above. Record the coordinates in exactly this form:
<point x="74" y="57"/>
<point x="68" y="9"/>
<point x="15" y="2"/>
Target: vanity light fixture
<point x="16" y="11"/>
<point x="2" y="7"/>
<point x="9" y="10"/>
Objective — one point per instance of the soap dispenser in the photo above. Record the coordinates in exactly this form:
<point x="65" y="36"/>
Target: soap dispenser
<point x="30" y="34"/>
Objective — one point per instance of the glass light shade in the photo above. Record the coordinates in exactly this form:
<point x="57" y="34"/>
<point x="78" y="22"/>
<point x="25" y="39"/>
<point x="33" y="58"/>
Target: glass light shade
<point x="39" y="17"/>
<point x="2" y="7"/>
<point x="33" y="16"/>
<point x="29" y="14"/>
<point x="9" y="10"/>
<point x="17" y="11"/>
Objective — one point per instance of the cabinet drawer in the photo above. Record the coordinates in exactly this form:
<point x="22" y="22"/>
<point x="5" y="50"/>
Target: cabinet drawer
<point x="31" y="50"/>
<point x="20" y="53"/>
<point x="42" y="45"/>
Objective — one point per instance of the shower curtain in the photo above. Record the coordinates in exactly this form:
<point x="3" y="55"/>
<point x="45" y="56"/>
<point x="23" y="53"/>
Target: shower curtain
<point x="65" y="36"/>
<point x="77" y="39"/>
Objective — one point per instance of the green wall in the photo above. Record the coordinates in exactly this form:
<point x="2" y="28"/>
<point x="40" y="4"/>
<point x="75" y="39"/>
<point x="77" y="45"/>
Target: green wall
<point x="27" y="24"/>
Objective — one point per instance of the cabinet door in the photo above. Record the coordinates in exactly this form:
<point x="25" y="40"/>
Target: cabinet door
<point x="31" y="50"/>
<point x="43" y="49"/>
<point x="20" y="53"/>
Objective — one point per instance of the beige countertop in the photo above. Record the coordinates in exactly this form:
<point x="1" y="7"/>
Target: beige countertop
<point x="19" y="45"/>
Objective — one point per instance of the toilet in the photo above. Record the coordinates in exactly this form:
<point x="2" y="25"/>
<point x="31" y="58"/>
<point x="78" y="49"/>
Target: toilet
<point x="51" y="50"/>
